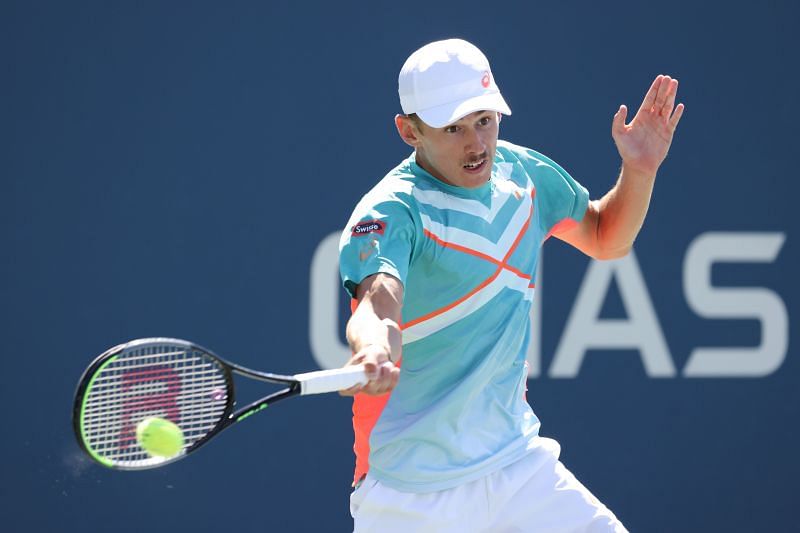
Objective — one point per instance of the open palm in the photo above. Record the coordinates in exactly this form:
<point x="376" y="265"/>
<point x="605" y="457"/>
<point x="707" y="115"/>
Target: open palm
<point x="643" y="144"/>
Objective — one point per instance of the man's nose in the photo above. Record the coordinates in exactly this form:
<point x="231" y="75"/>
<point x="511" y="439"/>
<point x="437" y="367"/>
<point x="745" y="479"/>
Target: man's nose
<point x="474" y="142"/>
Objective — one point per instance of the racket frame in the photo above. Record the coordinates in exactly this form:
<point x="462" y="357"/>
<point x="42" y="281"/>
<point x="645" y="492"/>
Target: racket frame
<point x="227" y="419"/>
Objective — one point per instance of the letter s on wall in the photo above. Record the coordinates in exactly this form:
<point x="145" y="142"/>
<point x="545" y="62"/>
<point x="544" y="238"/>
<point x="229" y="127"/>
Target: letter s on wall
<point x="755" y="303"/>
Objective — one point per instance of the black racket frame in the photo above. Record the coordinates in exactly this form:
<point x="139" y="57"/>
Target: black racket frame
<point x="229" y="416"/>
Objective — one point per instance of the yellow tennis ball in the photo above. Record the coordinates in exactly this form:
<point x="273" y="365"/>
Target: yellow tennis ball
<point x="159" y="437"/>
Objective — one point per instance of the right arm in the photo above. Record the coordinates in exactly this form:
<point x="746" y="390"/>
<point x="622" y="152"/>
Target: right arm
<point x="374" y="335"/>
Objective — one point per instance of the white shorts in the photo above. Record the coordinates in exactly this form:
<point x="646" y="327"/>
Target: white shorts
<point x="535" y="494"/>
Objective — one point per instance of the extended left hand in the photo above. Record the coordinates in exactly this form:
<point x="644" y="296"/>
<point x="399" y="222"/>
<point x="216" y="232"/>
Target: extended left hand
<point x="643" y="144"/>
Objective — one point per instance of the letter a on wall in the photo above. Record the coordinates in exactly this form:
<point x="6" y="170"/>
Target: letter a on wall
<point x="640" y="330"/>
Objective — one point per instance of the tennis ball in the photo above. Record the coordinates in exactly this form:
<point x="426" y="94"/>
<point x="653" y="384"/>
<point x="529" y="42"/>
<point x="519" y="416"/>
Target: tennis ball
<point x="159" y="437"/>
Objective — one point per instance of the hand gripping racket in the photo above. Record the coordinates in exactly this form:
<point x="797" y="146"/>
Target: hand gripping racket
<point x="179" y="381"/>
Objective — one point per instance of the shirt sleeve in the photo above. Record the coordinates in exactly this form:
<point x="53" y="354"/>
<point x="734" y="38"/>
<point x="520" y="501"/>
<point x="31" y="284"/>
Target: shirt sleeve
<point x="379" y="237"/>
<point x="559" y="197"/>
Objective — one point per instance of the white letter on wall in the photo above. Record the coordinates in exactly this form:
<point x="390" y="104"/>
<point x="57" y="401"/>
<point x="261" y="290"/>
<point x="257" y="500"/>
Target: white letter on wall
<point x="324" y="290"/>
<point x="641" y="330"/>
<point x="739" y="303"/>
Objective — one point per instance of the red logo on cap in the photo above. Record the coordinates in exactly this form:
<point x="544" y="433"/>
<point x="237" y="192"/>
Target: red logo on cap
<point x="486" y="80"/>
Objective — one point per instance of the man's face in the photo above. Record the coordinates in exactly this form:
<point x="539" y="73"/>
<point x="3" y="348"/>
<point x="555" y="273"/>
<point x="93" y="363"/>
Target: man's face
<point x="461" y="153"/>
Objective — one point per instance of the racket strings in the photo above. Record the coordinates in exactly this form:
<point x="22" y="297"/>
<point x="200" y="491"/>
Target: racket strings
<point x="105" y="401"/>
<point x="183" y="385"/>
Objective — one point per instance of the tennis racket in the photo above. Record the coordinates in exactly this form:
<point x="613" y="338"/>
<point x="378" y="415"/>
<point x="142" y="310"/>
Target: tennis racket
<point x="182" y="382"/>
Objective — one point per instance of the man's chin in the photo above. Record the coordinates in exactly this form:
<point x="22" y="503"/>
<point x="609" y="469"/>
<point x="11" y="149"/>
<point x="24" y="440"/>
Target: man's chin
<point x="472" y="181"/>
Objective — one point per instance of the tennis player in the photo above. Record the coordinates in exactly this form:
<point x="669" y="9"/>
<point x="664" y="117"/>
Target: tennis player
<point x="439" y="258"/>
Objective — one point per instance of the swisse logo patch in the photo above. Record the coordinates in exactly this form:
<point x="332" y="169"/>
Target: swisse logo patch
<point x="370" y="226"/>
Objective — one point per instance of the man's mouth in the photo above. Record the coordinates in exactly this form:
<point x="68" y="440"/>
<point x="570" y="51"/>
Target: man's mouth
<point x="475" y="166"/>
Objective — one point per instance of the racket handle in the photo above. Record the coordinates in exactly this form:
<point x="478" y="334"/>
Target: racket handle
<point x="331" y="380"/>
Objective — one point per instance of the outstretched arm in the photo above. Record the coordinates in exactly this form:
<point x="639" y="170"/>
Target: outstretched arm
<point x="611" y="224"/>
<point x="373" y="333"/>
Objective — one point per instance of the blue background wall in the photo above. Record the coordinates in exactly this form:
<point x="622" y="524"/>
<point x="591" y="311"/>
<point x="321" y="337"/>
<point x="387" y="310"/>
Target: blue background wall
<point x="171" y="168"/>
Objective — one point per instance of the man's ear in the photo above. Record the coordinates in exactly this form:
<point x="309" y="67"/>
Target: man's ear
<point x="407" y="130"/>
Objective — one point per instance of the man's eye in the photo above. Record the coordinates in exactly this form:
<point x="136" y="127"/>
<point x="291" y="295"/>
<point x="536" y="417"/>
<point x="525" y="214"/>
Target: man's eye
<point x="485" y="121"/>
<point x="451" y="129"/>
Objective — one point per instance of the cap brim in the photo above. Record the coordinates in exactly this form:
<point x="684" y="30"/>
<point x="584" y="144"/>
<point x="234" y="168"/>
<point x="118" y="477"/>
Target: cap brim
<point x="441" y="116"/>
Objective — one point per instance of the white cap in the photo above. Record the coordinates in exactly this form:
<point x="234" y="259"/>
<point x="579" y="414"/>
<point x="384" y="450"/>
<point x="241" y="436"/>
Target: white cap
<point x="445" y="81"/>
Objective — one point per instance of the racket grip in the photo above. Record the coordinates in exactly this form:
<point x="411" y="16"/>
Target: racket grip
<point x="334" y="380"/>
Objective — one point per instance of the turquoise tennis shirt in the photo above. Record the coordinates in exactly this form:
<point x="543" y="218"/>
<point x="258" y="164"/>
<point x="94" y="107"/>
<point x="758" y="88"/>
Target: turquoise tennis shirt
<point x="467" y="260"/>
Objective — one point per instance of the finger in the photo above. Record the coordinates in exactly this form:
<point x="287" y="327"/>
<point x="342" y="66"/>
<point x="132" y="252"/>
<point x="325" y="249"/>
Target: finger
<point x="661" y="95"/>
<point x="676" y="117"/>
<point x="385" y="381"/>
<point x="618" y="124"/>
<point x="650" y="97"/>
<point x="371" y="369"/>
<point x="375" y="385"/>
<point x="672" y="91"/>
<point x="376" y="388"/>
<point x="352" y="391"/>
